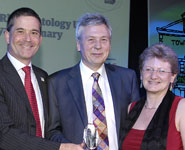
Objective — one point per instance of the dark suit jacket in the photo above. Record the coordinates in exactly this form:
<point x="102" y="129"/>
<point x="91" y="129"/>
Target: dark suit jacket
<point x="68" y="116"/>
<point x="17" y="123"/>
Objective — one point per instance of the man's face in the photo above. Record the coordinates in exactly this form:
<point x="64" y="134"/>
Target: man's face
<point x="24" y="38"/>
<point x="94" y="46"/>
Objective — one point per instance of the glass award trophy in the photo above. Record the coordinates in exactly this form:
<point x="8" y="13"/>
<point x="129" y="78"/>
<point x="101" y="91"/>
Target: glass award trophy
<point x="90" y="137"/>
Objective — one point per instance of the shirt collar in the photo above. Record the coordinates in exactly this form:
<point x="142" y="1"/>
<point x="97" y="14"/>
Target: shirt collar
<point x="87" y="72"/>
<point x="16" y="63"/>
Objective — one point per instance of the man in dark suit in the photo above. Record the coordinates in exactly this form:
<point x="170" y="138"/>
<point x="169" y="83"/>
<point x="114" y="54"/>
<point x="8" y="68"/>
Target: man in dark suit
<point x="70" y="90"/>
<point x="22" y="126"/>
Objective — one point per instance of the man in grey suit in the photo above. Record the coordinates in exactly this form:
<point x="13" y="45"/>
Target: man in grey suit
<point x="70" y="90"/>
<point x="19" y="128"/>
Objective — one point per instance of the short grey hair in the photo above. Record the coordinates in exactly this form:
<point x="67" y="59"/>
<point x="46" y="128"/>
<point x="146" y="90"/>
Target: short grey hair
<point x="91" y="19"/>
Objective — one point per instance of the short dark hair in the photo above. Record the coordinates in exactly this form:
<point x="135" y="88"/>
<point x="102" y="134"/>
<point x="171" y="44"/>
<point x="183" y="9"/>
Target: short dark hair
<point x="91" y="19"/>
<point x="163" y="52"/>
<point x="24" y="11"/>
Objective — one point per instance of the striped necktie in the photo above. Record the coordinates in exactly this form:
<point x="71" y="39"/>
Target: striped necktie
<point x="32" y="99"/>
<point x="99" y="118"/>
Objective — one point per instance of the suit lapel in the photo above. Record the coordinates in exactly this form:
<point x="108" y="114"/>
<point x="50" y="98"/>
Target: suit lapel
<point x="114" y="83"/>
<point x="43" y="89"/>
<point x="14" y="80"/>
<point x="42" y="84"/>
<point x="75" y="85"/>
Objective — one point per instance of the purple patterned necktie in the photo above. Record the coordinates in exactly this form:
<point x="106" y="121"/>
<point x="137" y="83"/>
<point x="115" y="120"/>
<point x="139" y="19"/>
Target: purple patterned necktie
<point x="32" y="99"/>
<point x="99" y="118"/>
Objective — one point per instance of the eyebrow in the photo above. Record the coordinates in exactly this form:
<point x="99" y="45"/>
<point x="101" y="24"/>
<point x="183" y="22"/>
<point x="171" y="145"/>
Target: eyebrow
<point x="30" y="30"/>
<point x="91" y="36"/>
<point x="19" y="29"/>
<point x="36" y="30"/>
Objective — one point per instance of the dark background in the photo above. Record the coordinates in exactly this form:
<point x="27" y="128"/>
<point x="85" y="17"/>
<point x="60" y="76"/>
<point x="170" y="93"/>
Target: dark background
<point x="138" y="34"/>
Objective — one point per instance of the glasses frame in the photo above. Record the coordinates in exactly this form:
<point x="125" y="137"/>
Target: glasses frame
<point x="158" y="71"/>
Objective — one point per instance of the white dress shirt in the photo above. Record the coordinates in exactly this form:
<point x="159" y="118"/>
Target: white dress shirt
<point x="18" y="66"/>
<point x="87" y="81"/>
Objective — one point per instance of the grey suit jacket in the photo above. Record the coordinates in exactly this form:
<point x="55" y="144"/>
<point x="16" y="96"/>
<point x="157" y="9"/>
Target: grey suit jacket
<point x="68" y="116"/>
<point x="17" y="123"/>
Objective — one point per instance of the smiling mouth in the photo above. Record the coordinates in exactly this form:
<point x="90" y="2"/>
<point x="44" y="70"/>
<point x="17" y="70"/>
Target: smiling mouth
<point x="27" y="45"/>
<point x="151" y="82"/>
<point x="97" y="54"/>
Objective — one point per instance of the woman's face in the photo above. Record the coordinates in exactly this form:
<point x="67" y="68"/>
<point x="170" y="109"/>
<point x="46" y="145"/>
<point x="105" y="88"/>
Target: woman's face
<point x="157" y="75"/>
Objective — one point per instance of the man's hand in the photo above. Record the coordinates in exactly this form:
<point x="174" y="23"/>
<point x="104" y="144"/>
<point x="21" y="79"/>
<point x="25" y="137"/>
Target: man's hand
<point x="70" y="146"/>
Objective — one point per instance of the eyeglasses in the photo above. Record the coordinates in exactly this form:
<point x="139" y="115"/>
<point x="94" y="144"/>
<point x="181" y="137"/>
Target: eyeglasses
<point x="159" y="71"/>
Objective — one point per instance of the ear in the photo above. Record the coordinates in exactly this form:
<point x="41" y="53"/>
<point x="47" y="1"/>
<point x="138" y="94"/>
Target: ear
<point x="78" y="45"/>
<point x="141" y="78"/>
<point x="40" y="39"/>
<point x="7" y="37"/>
<point x="173" y="78"/>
